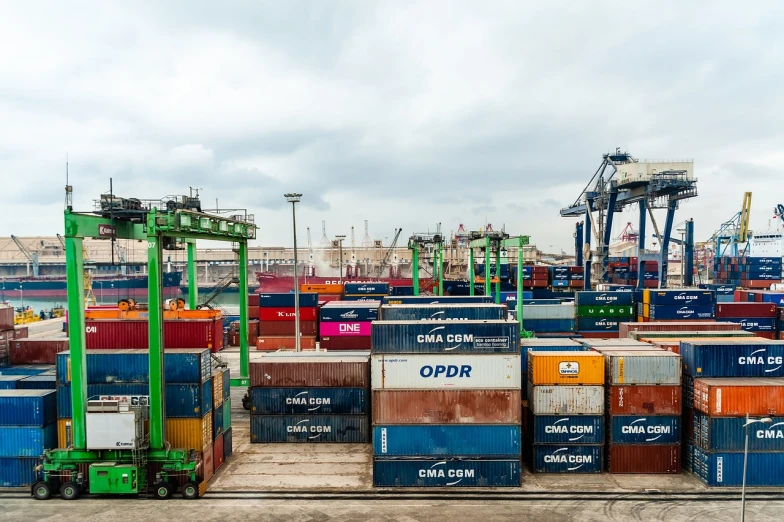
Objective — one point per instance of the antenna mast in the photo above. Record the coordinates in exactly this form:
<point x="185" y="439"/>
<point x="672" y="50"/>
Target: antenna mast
<point x="366" y="242"/>
<point x="68" y="187"/>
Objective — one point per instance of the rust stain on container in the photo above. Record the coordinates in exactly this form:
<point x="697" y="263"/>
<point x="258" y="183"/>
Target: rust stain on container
<point x="739" y="396"/>
<point x="446" y="407"/>
<point x="644" y="400"/>
<point x="644" y="458"/>
<point x="311" y="371"/>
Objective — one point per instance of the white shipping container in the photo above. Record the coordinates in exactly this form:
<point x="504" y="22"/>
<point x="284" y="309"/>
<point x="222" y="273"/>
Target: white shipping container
<point x="566" y="400"/>
<point x="558" y="311"/>
<point x="113" y="431"/>
<point x="438" y="371"/>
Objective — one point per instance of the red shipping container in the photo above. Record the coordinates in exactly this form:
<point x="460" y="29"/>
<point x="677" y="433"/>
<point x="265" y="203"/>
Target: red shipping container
<point x="21" y="332"/>
<point x="312" y="371"/>
<point x="738" y="396"/>
<point x="253" y="327"/>
<point x="677" y="326"/>
<point x="6" y="338"/>
<point x="6" y="318"/>
<point x="346" y="343"/>
<point x="274" y="343"/>
<point x="253" y="312"/>
<point x="446" y="407"/>
<point x="217" y="452"/>
<point x="308" y="313"/>
<point x="36" y="351"/>
<point x="208" y="464"/>
<point x="644" y="400"/>
<point x="745" y="310"/>
<point x="754" y="283"/>
<point x="766" y="335"/>
<point x="234" y="339"/>
<point x="126" y="333"/>
<point x="253" y="299"/>
<point x="326" y="298"/>
<point x="644" y="458"/>
<point x="306" y="328"/>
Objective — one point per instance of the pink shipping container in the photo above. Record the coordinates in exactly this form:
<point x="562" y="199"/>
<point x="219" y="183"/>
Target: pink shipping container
<point x="312" y="371"/>
<point x="6" y="318"/>
<point x="124" y="333"/>
<point x="676" y="326"/>
<point x="446" y="407"/>
<point x="644" y="458"/>
<point x="36" y="351"/>
<point x="347" y="329"/>
<point x="739" y="396"/>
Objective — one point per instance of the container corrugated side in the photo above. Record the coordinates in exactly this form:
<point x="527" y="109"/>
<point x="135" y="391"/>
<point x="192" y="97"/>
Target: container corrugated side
<point x="676" y="326"/>
<point x="226" y="415"/>
<point x="442" y="473"/>
<point x="433" y="440"/>
<point x="27" y="407"/>
<point x="64" y="433"/>
<point x="728" y="434"/>
<point x="19" y="471"/>
<point x="561" y="311"/>
<point x="217" y="421"/>
<point x="184" y="366"/>
<point x="647" y="429"/>
<point x="679" y="297"/>
<point x="448" y="336"/>
<point x="644" y="458"/>
<point x="560" y="458"/>
<point x="552" y="345"/>
<point x="457" y="371"/>
<point x="726" y="469"/>
<point x="311" y="372"/>
<point x="309" y="401"/>
<point x="644" y="400"/>
<point x="309" y="428"/>
<point x="217" y="389"/>
<point x="134" y="334"/>
<point x="638" y="367"/>
<point x="228" y="446"/>
<point x="737" y="397"/>
<point x="566" y="400"/>
<point x="570" y="368"/>
<point x="603" y="298"/>
<point x="566" y="429"/>
<point x="195" y="434"/>
<point x="26" y="441"/>
<point x="446" y="406"/>
<point x="188" y="400"/>
<point x="433" y="299"/>
<point x="733" y="359"/>
<point x="438" y="312"/>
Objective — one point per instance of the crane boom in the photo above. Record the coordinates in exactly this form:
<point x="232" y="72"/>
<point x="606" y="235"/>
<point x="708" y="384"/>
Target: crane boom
<point x="32" y="256"/>
<point x="743" y="233"/>
<point x="388" y="255"/>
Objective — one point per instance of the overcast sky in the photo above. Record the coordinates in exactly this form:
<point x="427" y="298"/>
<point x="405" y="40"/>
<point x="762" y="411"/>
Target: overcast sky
<point x="404" y="114"/>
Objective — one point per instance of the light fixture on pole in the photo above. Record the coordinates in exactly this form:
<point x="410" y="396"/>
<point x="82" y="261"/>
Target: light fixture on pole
<point x="764" y="420"/>
<point x="340" y="248"/>
<point x="294" y="198"/>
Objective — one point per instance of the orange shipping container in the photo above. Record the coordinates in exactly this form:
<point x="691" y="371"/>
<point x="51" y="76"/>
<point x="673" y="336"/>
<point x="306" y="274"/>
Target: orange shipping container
<point x="190" y="434"/>
<point x="570" y="368"/>
<point x="737" y="397"/>
<point x="271" y="343"/>
<point x="217" y="389"/>
<point x="335" y="289"/>
<point x="64" y="433"/>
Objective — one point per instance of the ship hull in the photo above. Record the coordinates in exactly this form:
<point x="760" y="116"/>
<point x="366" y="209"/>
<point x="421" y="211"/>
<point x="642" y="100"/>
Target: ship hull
<point x="271" y="283"/>
<point x="120" y="287"/>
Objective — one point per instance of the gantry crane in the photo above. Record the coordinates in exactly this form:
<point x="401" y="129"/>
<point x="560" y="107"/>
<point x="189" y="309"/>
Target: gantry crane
<point x="734" y="232"/>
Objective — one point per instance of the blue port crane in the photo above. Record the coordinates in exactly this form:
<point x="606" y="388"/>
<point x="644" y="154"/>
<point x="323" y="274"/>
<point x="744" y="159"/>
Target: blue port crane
<point x="779" y="211"/>
<point x="734" y="232"/>
<point x="621" y="181"/>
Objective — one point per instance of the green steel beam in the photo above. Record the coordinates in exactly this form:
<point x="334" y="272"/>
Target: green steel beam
<point x="487" y="266"/>
<point x="193" y="284"/>
<point x="86" y="225"/>
<point x="440" y="259"/>
<point x="74" y="262"/>
<point x="471" y="271"/>
<point x="519" y="241"/>
<point x="414" y="246"/>
<point x="243" y="276"/>
<point x="498" y="274"/>
<point x="155" y="324"/>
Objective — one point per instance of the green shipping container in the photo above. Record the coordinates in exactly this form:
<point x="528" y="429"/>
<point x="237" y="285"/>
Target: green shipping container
<point x="226" y="414"/>
<point x="605" y="311"/>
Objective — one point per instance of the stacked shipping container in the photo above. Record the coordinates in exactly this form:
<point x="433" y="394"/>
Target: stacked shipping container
<point x="625" y="271"/>
<point x="758" y="318"/>
<point x="221" y="415"/>
<point x="310" y="398"/>
<point x="446" y="403"/>
<point x="601" y="313"/>
<point x="748" y="272"/>
<point x="549" y="318"/>
<point x="677" y="305"/>
<point x="110" y="334"/>
<point x="27" y="428"/>
<point x="533" y="276"/>
<point x="6" y="332"/>
<point x="567" y="276"/>
<point x="370" y="290"/>
<point x="35" y="350"/>
<point x="345" y="325"/>
<point x="277" y="323"/>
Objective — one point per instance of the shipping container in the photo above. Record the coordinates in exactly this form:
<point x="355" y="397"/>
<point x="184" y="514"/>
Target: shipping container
<point x="64" y="433"/>
<point x="217" y="421"/>
<point x="639" y="367"/>
<point x="552" y="345"/>
<point x="345" y="329"/>
<point x="226" y="414"/>
<point x="728" y="434"/>
<point x="208" y="465"/>
<point x="27" y="441"/>
<point x="38" y="382"/>
<point x="136" y="394"/>
<point x="676" y="326"/>
<point x="688" y="336"/>
<point x="311" y="371"/>
<point x="745" y="310"/>
<point x="188" y="400"/>
<point x="322" y="289"/>
<point x="286" y="313"/>
<point x="21" y="332"/>
<point x="338" y="311"/>
<point x="594" y="324"/>
<point x="679" y="312"/>
<point x="566" y="429"/>
<point x="457" y="371"/>
<point x="566" y="400"/>
<point x="449" y="336"/>
<point x="726" y="469"/>
<point x="10" y="382"/>
<point x="253" y="299"/>
<point x="679" y="297"/>
<point x="442" y="473"/>
<point x="274" y="328"/>
<point x="273" y="343"/>
<point x="644" y="458"/>
<point x="737" y="397"/>
<point x="309" y="428"/>
<point x="604" y="298"/>
<point x="446" y="407"/>
<point x="309" y="401"/>
<point x="644" y="400"/>
<point x="560" y="458"/>
<point x="346" y="343"/>
<point x="6" y="317"/>
<point x="605" y="311"/>
<point x="287" y="300"/>
<point x="19" y="471"/>
<point x="27" y="407"/>
<point x="437" y="312"/>
<point x="228" y="447"/>
<point x="253" y="313"/>
<point x="613" y="343"/>
<point x="190" y="434"/>
<point x="560" y="311"/>
<point x="756" y="325"/>
<point x="434" y="299"/>
<point x="551" y="368"/>
<point x="541" y="326"/>
<point x="733" y="358"/>
<point x="648" y="429"/>
<point x="433" y="440"/>
<point x="218" y="452"/>
<point x="103" y="334"/>
<point x="35" y="350"/>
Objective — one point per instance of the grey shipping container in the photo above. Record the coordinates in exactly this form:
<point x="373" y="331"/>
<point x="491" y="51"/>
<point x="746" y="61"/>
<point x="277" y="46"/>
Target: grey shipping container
<point x="636" y="367"/>
<point x="566" y="400"/>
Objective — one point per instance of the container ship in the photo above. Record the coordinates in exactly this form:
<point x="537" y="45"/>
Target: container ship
<point x="122" y="286"/>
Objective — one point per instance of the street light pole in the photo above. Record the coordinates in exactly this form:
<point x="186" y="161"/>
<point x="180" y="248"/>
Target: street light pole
<point x="764" y="420"/>
<point x="340" y="249"/>
<point x="294" y="198"/>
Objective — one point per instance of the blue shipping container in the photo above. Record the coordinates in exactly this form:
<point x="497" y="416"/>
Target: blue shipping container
<point x="440" y="473"/>
<point x="365" y="288"/>
<point x="681" y="312"/>
<point x="306" y="300"/>
<point x="434" y="299"/>
<point x="709" y="359"/>
<point x="188" y="400"/>
<point x="603" y="298"/>
<point x="18" y="471"/>
<point x="27" y="407"/>
<point x="355" y="311"/>
<point x="594" y="324"/>
<point x="455" y="336"/>
<point x="26" y="369"/>
<point x="548" y="325"/>
<point x="566" y="429"/>
<point x="681" y="297"/>
<point x="446" y="440"/>
<point x="38" y="382"/>
<point x="728" y="434"/>
<point x="309" y="428"/>
<point x="763" y="324"/>
<point x="401" y="290"/>
<point x="567" y="458"/>
<point x="26" y="441"/>
<point x="9" y="382"/>
<point x="653" y="429"/>
<point x="440" y="312"/>
<point x="309" y="401"/>
<point x="726" y="469"/>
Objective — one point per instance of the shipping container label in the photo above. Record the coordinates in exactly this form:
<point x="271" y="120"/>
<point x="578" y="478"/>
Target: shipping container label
<point x="570" y="459"/>
<point x="569" y="368"/>
<point x="453" y="371"/>
<point x="491" y="342"/>
<point x="362" y="329"/>
<point x="459" y="473"/>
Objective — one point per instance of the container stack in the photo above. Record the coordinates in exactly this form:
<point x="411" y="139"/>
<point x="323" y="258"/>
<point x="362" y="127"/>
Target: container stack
<point x="748" y="272"/>
<point x="446" y="403"/>
<point x="373" y="290"/>
<point x="345" y="325"/>
<point x="559" y="344"/>
<point x="626" y="329"/>
<point x="6" y="332"/>
<point x="27" y="428"/>
<point x="644" y="401"/>
<point x="733" y="379"/>
<point x="676" y="305"/>
<point x="724" y="293"/>
<point x="113" y="333"/>
<point x="758" y="318"/>
<point x="624" y="271"/>
<point x="567" y="276"/>
<point x="565" y="423"/>
<point x="310" y="398"/>
<point x="277" y="325"/>
<point x="549" y="318"/>
<point x="327" y="292"/>
<point x="221" y="415"/>
<point x="533" y="276"/>
<point x="36" y="350"/>
<point x="599" y="314"/>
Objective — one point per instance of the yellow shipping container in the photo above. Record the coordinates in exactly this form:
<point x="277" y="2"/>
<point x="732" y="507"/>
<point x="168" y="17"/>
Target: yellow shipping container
<point x="217" y="389"/>
<point x="195" y="434"/>
<point x="571" y="368"/>
<point x="646" y="296"/>
<point x="64" y="433"/>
